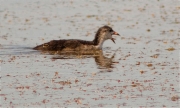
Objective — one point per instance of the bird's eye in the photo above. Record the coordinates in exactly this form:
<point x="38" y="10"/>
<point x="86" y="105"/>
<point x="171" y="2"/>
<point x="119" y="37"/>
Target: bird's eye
<point x="111" y="30"/>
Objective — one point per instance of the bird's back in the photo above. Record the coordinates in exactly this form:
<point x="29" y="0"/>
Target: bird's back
<point x="59" y="45"/>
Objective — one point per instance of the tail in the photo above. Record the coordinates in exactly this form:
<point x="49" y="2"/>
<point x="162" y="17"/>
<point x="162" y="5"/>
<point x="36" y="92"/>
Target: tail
<point x="51" y="46"/>
<point x="39" y="47"/>
<point x="46" y="46"/>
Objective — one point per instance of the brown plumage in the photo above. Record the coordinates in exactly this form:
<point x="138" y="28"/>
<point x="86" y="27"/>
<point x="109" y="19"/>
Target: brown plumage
<point x="102" y="34"/>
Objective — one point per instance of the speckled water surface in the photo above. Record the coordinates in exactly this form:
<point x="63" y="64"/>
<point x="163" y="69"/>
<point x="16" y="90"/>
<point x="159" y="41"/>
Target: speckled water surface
<point x="140" y="70"/>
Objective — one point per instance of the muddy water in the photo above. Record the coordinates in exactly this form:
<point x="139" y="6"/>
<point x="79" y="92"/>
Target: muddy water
<point x="141" y="69"/>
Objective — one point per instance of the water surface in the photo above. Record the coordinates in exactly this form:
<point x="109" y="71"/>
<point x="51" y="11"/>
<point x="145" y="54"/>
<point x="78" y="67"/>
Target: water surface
<point x="140" y="70"/>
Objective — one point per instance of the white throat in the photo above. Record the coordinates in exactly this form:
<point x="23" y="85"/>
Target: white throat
<point x="99" y="46"/>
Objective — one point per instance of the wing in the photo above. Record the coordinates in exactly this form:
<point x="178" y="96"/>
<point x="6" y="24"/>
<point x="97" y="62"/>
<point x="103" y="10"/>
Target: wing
<point x="51" y="46"/>
<point x="55" y="45"/>
<point x="72" y="44"/>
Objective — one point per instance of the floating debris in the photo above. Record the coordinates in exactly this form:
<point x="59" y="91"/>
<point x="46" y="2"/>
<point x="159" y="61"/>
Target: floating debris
<point x="171" y="49"/>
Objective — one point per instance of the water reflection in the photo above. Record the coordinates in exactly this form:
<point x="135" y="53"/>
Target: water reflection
<point x="102" y="61"/>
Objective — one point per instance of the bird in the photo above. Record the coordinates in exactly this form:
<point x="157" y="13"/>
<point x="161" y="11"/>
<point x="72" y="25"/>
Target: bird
<point x="103" y="33"/>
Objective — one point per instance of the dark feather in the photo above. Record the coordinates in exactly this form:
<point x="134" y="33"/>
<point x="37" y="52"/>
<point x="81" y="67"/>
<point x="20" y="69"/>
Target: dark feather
<point x="55" y="45"/>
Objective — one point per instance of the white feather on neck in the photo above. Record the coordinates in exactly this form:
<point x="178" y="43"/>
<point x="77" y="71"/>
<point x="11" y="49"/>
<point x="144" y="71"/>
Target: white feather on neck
<point x="100" y="44"/>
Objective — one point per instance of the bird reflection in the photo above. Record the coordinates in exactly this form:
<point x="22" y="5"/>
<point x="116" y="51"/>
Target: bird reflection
<point x="102" y="61"/>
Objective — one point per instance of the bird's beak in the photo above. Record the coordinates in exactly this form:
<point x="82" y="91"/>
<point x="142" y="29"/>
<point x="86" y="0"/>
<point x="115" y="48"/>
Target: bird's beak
<point x="114" y="33"/>
<point x="113" y="40"/>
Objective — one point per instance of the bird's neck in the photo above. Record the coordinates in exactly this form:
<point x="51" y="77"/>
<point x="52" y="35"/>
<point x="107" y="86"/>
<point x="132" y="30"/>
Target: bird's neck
<point x="98" y="41"/>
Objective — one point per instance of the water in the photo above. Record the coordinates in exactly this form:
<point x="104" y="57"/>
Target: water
<point x="140" y="70"/>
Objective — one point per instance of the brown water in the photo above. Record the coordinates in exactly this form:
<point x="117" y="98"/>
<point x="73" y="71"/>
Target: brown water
<point x="140" y="70"/>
